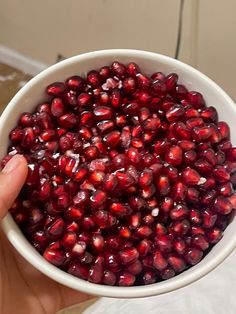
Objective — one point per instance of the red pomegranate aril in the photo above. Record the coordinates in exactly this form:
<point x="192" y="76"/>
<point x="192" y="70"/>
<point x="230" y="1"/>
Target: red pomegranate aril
<point x="152" y="124"/>
<point x="182" y="130"/>
<point x="75" y="83"/>
<point x="83" y="100"/>
<point x="74" y="213"/>
<point x="118" y="69"/>
<point x="200" y="242"/>
<point x="209" y="218"/>
<point x="56" y="89"/>
<point x="98" y="198"/>
<point x="193" y="256"/>
<point x="48" y="135"/>
<point x="102" y="113"/>
<point x="174" y="155"/>
<point x="78" y="270"/>
<point x="86" y="119"/>
<point x="55" y="229"/>
<point x="192" y="195"/>
<point x="181" y="228"/>
<point x="91" y="152"/>
<point x="143" y="232"/>
<point x="93" y="78"/>
<point x="201" y="133"/>
<point x="196" y="99"/>
<point x="187" y="145"/>
<point x="69" y="239"/>
<point x="214" y="235"/>
<point x="175" y="113"/>
<point x="147" y="191"/>
<point x="167" y="273"/>
<point x="226" y="189"/>
<point x="203" y="167"/>
<point x="125" y="279"/>
<point x="221" y="174"/>
<point x="112" y="139"/>
<point x="179" y="246"/>
<point x="145" y="178"/>
<point x="222" y="205"/>
<point x="171" y="81"/>
<point x="68" y="120"/>
<point x="81" y="174"/>
<point x="209" y="114"/>
<point x="143" y="81"/>
<point x="192" y="177"/>
<point x="159" y="262"/>
<point x="179" y="191"/>
<point x="179" y="211"/>
<point x="97" y="242"/>
<point x="72" y="227"/>
<point x="133" y="69"/>
<point x="144" y="247"/>
<point x="163" y="185"/>
<point x="158" y="88"/>
<point x="164" y="243"/>
<point x="128" y="255"/>
<point x="223" y="129"/>
<point x="176" y="262"/>
<point x="195" y="217"/>
<point x="54" y="257"/>
<point x="109" y="278"/>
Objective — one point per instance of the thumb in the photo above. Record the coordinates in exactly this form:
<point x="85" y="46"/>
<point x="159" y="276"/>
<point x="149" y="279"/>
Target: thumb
<point x="12" y="179"/>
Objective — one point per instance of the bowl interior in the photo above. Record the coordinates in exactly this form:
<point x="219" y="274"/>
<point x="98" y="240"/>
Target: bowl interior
<point x="33" y="93"/>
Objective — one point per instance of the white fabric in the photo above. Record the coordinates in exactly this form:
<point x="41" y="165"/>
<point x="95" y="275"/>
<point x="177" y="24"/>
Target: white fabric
<point x="213" y="294"/>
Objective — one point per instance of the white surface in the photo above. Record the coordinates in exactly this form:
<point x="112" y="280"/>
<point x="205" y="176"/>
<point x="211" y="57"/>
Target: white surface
<point x="213" y="294"/>
<point x="33" y="92"/>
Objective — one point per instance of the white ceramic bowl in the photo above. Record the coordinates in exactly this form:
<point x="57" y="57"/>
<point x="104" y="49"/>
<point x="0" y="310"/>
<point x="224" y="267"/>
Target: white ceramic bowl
<point x="33" y="92"/>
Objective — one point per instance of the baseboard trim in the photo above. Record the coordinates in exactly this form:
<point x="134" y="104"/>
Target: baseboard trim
<point x="20" y="61"/>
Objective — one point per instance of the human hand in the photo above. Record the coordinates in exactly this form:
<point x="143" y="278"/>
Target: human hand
<point x="23" y="289"/>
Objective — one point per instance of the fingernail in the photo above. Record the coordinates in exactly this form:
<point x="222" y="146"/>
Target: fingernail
<point x="12" y="164"/>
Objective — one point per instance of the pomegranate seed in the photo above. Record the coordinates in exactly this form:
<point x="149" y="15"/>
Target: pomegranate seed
<point x="209" y="114"/>
<point x="193" y="256"/>
<point x="226" y="189"/>
<point x="221" y="174"/>
<point x="91" y="152"/>
<point x="214" y="235"/>
<point x="163" y="185"/>
<point x="167" y="273"/>
<point x="196" y="100"/>
<point x="158" y="88"/>
<point x="68" y="120"/>
<point x="56" y="89"/>
<point x="159" y="262"/>
<point x="176" y="262"/>
<point x="209" y="218"/>
<point x="175" y="113"/>
<point x="222" y="205"/>
<point x="112" y="139"/>
<point x="192" y="177"/>
<point x="143" y="81"/>
<point x="54" y="257"/>
<point x="126" y="279"/>
<point x="109" y="278"/>
<point x="179" y="211"/>
<point x="174" y="155"/>
<point x="201" y="133"/>
<point x="179" y="246"/>
<point x="78" y="270"/>
<point x="200" y="242"/>
<point x="133" y="69"/>
<point x="223" y="129"/>
<point x="128" y="255"/>
<point x="179" y="191"/>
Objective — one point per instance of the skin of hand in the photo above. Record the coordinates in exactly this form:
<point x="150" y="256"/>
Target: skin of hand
<point x="23" y="289"/>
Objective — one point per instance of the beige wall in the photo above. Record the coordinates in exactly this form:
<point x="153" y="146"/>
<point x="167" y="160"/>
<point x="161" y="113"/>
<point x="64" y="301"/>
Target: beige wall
<point x="42" y="29"/>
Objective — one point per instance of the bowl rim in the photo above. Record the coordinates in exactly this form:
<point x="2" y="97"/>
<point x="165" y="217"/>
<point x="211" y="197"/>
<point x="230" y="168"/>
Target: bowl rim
<point x="25" y="249"/>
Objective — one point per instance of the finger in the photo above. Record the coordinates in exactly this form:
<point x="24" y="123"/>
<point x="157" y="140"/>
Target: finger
<point x="12" y="179"/>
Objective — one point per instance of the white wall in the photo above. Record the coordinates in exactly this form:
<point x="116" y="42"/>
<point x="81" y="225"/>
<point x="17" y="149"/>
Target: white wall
<point x="42" y="29"/>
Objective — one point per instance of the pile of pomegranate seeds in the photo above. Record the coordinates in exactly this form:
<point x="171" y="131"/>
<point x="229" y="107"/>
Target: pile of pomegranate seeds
<point x="131" y="178"/>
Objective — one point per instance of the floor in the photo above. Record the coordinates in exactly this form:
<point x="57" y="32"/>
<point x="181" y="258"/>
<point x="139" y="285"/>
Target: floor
<point x="11" y="80"/>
